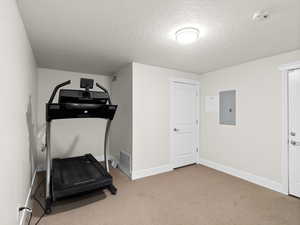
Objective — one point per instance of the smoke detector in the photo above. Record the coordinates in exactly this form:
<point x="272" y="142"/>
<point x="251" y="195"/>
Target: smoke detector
<point x="261" y="15"/>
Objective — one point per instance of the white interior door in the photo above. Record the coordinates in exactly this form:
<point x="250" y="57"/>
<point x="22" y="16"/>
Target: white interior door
<point x="294" y="132"/>
<point x="183" y="124"/>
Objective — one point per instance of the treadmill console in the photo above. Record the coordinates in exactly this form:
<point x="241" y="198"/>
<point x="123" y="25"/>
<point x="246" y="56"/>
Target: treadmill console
<point x="80" y="103"/>
<point x="80" y="96"/>
<point x="83" y="96"/>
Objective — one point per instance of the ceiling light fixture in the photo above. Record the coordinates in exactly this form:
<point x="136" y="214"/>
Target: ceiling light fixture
<point x="187" y="35"/>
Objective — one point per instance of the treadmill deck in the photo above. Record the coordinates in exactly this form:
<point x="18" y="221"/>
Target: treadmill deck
<point x="75" y="175"/>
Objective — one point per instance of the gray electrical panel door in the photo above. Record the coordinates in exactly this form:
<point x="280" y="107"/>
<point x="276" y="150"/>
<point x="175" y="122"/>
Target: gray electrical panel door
<point x="228" y="107"/>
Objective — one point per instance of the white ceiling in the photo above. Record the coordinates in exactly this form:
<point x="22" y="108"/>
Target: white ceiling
<point x="98" y="36"/>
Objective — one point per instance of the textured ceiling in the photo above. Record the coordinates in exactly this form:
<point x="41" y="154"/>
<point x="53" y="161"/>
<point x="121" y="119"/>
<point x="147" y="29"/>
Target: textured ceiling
<point x="98" y="36"/>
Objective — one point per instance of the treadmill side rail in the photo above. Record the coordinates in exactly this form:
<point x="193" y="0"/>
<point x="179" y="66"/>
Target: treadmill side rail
<point x="107" y="129"/>
<point x="48" y="167"/>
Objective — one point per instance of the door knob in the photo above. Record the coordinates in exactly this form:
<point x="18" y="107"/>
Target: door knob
<point x="175" y="129"/>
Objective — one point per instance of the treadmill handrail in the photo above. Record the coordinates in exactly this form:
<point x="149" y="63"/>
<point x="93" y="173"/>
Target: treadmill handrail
<point x="106" y="91"/>
<point x="56" y="89"/>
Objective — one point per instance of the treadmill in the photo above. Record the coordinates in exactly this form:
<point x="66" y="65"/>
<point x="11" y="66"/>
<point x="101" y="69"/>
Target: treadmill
<point x="76" y="175"/>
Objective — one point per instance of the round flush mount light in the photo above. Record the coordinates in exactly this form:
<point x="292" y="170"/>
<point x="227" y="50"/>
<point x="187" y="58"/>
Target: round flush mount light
<point x="187" y="35"/>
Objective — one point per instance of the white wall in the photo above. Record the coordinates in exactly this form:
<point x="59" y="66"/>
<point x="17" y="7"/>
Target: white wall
<point x="18" y="83"/>
<point x="254" y="144"/>
<point x="71" y="137"/>
<point x="121" y="128"/>
<point x="151" y="113"/>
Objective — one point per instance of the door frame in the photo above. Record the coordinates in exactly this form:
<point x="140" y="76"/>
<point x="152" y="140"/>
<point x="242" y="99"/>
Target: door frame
<point x="171" y="120"/>
<point x="285" y="123"/>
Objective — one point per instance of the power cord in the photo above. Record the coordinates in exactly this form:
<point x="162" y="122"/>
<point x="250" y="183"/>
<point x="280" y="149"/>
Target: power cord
<point x="29" y="221"/>
<point x="41" y="217"/>
<point x="39" y="202"/>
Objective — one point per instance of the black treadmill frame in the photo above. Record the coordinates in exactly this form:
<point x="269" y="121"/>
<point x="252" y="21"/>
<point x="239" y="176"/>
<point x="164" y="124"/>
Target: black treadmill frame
<point x="94" y="112"/>
<point x="95" y="180"/>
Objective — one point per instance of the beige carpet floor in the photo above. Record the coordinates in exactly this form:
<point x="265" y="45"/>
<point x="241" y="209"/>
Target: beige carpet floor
<point x="194" y="195"/>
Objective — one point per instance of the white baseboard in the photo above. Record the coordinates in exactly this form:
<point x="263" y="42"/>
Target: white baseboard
<point x="100" y="158"/>
<point x="124" y="170"/>
<point x="151" y="171"/>
<point x="262" y="181"/>
<point x="24" y="213"/>
<point x="125" y="163"/>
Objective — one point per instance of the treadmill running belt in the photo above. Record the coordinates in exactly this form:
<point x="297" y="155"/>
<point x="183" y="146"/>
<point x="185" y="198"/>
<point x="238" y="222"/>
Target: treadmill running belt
<point x="78" y="174"/>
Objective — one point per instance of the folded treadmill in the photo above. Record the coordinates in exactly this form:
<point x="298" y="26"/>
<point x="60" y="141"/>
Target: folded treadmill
<point x="76" y="175"/>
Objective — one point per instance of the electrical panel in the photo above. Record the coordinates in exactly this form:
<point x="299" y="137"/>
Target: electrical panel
<point x="227" y="100"/>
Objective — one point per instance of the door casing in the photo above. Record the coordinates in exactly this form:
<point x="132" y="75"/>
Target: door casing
<point x="285" y="124"/>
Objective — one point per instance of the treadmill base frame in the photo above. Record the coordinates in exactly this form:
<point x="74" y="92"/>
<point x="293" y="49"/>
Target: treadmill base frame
<point x="48" y="208"/>
<point x="62" y="187"/>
